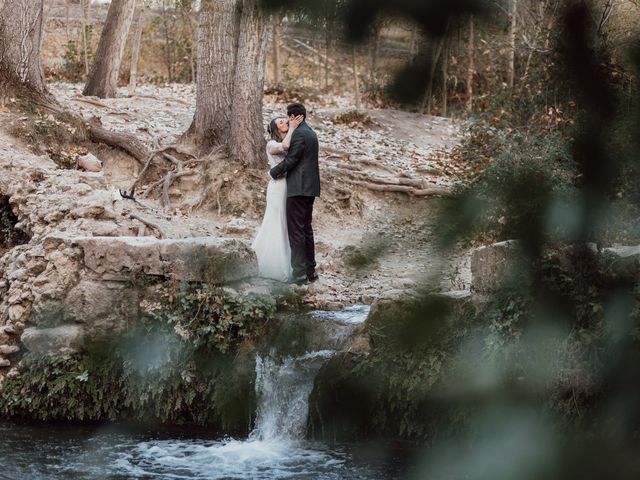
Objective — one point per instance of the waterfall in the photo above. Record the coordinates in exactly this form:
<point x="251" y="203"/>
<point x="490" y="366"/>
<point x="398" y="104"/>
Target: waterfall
<point x="283" y="388"/>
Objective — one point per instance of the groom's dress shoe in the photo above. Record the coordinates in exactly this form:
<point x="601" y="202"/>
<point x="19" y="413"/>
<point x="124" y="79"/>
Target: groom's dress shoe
<point x="299" y="280"/>
<point x="313" y="277"/>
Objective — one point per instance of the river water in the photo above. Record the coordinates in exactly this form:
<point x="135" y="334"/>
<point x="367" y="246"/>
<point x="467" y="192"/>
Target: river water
<point x="275" y="449"/>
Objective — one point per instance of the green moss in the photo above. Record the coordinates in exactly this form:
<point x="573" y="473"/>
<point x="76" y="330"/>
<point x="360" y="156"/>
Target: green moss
<point x="184" y="364"/>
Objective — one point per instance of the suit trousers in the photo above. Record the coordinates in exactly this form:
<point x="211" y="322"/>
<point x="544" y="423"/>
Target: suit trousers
<point x="299" y="218"/>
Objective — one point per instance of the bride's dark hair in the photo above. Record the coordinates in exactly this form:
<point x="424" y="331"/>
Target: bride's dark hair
<point x="272" y="130"/>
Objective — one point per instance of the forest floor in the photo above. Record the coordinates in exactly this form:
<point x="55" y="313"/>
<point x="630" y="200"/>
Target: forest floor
<point x="383" y="173"/>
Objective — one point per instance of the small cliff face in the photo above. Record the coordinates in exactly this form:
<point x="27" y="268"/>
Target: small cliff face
<point x="71" y="267"/>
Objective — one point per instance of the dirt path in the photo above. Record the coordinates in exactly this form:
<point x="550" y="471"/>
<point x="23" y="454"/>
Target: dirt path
<point x="355" y="222"/>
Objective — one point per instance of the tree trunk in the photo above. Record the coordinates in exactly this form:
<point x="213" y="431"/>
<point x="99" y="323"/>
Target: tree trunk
<point x="20" y="43"/>
<point x="218" y="32"/>
<point x="66" y="20"/>
<point x="327" y="51"/>
<point x="436" y="50"/>
<point x="232" y="44"/>
<point x="356" y="86"/>
<point x="445" y="76"/>
<point x="85" y="35"/>
<point x="471" y="68"/>
<point x="512" y="42"/>
<point x="103" y="78"/>
<point x="135" y="54"/>
<point x="276" y="49"/>
<point x="167" y="44"/>
<point x="247" y="142"/>
<point x="413" y="44"/>
<point x="188" y="21"/>
<point x="373" y="46"/>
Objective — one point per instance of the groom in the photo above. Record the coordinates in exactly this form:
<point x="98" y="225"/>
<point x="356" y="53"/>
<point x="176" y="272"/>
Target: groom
<point x="303" y="186"/>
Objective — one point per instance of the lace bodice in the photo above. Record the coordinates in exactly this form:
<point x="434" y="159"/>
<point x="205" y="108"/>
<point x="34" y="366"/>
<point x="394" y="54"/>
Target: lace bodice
<point x="275" y="153"/>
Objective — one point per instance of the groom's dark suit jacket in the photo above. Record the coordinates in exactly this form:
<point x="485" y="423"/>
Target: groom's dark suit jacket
<point x="301" y="164"/>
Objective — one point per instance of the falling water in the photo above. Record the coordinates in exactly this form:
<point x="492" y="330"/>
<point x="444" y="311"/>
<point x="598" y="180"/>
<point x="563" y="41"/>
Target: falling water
<point x="283" y="388"/>
<point x="276" y="449"/>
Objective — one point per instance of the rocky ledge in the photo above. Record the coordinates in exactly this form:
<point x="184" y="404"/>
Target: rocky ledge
<point x="67" y="289"/>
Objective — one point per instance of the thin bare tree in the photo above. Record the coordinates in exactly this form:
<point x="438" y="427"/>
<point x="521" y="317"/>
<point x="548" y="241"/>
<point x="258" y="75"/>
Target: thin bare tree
<point x="356" y="83"/>
<point x="135" y="52"/>
<point x="512" y="42"/>
<point x="105" y="70"/>
<point x="471" y="67"/>
<point x="277" y="20"/>
<point x="85" y="19"/>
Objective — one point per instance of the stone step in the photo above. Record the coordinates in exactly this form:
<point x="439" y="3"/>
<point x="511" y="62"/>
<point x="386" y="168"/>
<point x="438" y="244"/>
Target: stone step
<point x="202" y="259"/>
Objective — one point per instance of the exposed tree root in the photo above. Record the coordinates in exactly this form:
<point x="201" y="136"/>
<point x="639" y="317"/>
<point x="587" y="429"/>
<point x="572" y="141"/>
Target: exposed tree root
<point x="124" y="141"/>
<point x="418" y="192"/>
<point x="149" y="224"/>
<point x="130" y="144"/>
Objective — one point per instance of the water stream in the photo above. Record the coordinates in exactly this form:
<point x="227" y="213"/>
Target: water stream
<point x="275" y="449"/>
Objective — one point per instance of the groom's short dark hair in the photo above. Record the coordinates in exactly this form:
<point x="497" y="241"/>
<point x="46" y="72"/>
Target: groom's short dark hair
<point x="296" y="109"/>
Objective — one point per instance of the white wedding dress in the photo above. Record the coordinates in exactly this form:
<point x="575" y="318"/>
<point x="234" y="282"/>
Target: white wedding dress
<point x="272" y="241"/>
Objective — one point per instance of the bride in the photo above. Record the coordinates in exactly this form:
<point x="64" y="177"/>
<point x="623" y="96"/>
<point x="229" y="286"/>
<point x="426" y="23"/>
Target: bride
<point x="272" y="241"/>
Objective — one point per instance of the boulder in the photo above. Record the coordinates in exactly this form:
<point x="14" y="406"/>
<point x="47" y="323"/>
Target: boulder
<point x="101" y="307"/>
<point x="622" y="261"/>
<point x="89" y="163"/>
<point x="51" y="341"/>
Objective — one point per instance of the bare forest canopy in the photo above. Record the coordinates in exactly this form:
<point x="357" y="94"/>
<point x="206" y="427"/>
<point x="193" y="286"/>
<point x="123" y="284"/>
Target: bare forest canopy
<point x="446" y="63"/>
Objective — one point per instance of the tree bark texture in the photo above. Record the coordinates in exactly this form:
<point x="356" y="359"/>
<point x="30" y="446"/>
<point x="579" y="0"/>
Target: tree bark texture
<point x="356" y="85"/>
<point x="135" y="54"/>
<point x="232" y="41"/>
<point x="20" y="44"/>
<point x="512" y="42"/>
<point x="276" y="49"/>
<point x="103" y="78"/>
<point x="217" y="48"/>
<point x="247" y="138"/>
<point x="471" y="69"/>
<point x="85" y="35"/>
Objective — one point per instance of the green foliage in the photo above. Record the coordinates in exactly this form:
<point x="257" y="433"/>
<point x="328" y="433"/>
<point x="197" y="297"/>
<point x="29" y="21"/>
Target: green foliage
<point x="207" y="317"/>
<point x="522" y="172"/>
<point x="73" y="69"/>
<point x="182" y="365"/>
<point x="412" y="347"/>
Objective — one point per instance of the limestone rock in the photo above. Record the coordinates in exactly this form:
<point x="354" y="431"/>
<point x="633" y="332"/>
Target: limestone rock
<point x="6" y="332"/>
<point x="89" y="163"/>
<point x="51" y="341"/>
<point x="15" y="312"/>
<point x="4" y="363"/>
<point x="214" y="260"/>
<point x="238" y="226"/>
<point x="101" y="307"/>
<point x="622" y="261"/>
<point x="9" y="349"/>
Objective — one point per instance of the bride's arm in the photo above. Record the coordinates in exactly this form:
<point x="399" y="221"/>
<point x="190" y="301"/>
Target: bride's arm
<point x="293" y="124"/>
